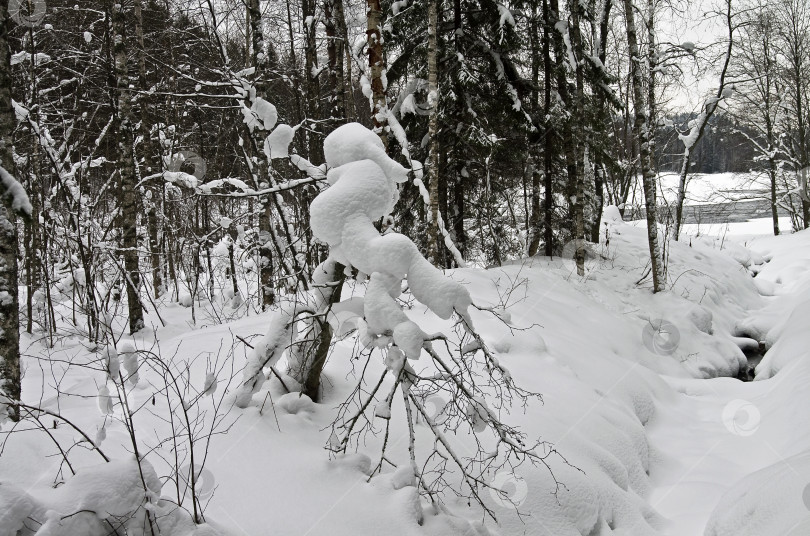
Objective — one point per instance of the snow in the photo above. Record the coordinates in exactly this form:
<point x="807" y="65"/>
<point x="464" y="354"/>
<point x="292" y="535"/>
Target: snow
<point x="129" y="356"/>
<point x="397" y="6"/>
<point x="353" y="143"/>
<point x="363" y="189"/>
<point x="19" y="198"/>
<point x="296" y="403"/>
<point x="39" y="58"/>
<point x="209" y="186"/>
<point x="773" y="500"/>
<point x="261" y="114"/>
<point x="264" y="355"/>
<point x="111" y="363"/>
<point x="506" y="16"/>
<point x="408" y="105"/>
<point x="181" y="178"/>
<point x="657" y="442"/>
<point x="119" y="493"/>
<point x="278" y="142"/>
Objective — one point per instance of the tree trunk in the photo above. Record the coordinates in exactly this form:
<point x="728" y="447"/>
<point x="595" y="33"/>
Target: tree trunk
<point x="335" y="24"/>
<point x="152" y="218"/>
<point x="774" y="206"/>
<point x="9" y="306"/>
<point x="307" y="355"/>
<point x="433" y="133"/>
<point x="708" y="110"/>
<point x="533" y="228"/>
<point x="260" y="60"/>
<point x="642" y="133"/>
<point x="578" y="135"/>
<point x="569" y="140"/>
<point x="548" y="156"/>
<point x="313" y="85"/>
<point x="652" y="65"/>
<point x="126" y="172"/>
<point x="602" y="119"/>
<point x="376" y="64"/>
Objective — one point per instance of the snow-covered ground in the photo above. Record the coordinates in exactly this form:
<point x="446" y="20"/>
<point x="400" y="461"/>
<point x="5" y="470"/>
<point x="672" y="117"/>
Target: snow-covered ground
<point x="652" y="434"/>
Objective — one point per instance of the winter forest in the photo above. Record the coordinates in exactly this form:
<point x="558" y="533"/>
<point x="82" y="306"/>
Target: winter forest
<point x="404" y="267"/>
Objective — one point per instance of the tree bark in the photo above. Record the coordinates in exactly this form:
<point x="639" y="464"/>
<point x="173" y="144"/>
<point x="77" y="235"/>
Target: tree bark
<point x="535" y="219"/>
<point x="259" y="58"/>
<point x="9" y="305"/>
<point x="602" y="119"/>
<point x="313" y="85"/>
<point x="307" y="355"/>
<point x="335" y="24"/>
<point x="642" y="133"/>
<point x="376" y="65"/>
<point x="708" y="110"/>
<point x="578" y="137"/>
<point x="126" y="171"/>
<point x="548" y="155"/>
<point x="433" y="133"/>
<point x="152" y="207"/>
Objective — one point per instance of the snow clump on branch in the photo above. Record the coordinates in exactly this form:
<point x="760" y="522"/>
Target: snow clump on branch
<point x="363" y="188"/>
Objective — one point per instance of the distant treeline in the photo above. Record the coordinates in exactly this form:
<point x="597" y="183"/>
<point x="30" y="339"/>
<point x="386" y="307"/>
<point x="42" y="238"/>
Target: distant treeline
<point x="722" y="148"/>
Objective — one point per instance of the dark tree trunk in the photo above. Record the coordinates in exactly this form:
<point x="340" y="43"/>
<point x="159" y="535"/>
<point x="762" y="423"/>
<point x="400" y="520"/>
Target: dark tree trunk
<point x="126" y="171"/>
<point x="376" y="64"/>
<point x="548" y="155"/>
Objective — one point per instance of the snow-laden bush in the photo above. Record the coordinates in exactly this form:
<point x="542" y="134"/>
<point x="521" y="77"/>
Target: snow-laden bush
<point x="363" y="190"/>
<point x="119" y="497"/>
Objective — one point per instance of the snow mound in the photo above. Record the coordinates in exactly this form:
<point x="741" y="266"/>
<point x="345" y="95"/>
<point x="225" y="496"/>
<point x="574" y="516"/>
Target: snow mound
<point x="118" y="493"/>
<point x="295" y="403"/>
<point x="774" y="500"/>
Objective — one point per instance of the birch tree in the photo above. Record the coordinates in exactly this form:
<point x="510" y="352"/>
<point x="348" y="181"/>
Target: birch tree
<point x="642" y="133"/>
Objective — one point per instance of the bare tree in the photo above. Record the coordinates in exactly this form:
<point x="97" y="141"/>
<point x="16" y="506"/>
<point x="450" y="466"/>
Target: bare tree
<point x="793" y="30"/>
<point x="758" y="100"/>
<point x="698" y="125"/>
<point x="642" y="133"/>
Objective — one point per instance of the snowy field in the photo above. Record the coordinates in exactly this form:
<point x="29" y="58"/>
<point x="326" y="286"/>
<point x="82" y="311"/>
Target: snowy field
<point x="645" y="429"/>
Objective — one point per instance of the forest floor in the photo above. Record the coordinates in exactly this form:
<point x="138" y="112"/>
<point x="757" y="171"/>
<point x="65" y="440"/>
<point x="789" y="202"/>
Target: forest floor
<point x="653" y="435"/>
